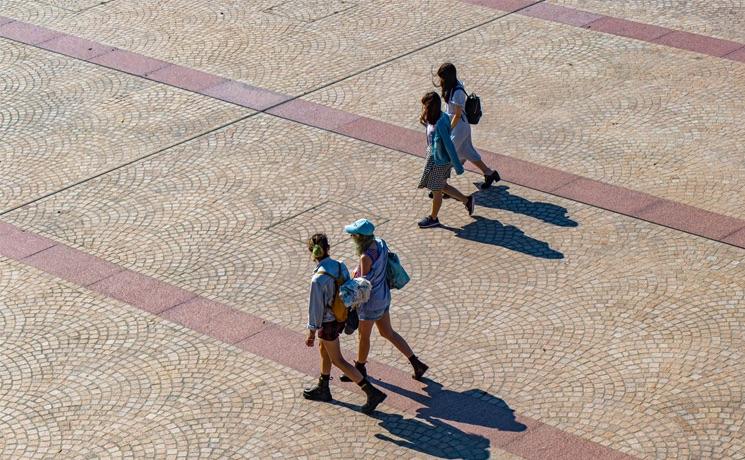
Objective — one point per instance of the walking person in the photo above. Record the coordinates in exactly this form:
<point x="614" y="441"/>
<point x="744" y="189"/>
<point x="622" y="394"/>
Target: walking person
<point x="454" y="94"/>
<point x="321" y="318"/>
<point x="373" y="263"/>
<point x="441" y="158"/>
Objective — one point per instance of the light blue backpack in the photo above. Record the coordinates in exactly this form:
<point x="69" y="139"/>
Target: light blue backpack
<point x="397" y="276"/>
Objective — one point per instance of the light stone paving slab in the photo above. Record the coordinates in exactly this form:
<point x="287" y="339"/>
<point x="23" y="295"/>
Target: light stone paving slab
<point x="83" y="376"/>
<point x="290" y="47"/>
<point x="63" y="120"/>
<point x="717" y="18"/>
<point x="642" y="116"/>
<point x="613" y="329"/>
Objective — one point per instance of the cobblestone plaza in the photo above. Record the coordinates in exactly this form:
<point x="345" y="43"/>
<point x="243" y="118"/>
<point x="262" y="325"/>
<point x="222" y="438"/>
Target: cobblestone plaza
<point x="162" y="163"/>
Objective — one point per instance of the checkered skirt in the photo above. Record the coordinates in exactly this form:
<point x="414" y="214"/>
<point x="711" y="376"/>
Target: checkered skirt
<point x="434" y="176"/>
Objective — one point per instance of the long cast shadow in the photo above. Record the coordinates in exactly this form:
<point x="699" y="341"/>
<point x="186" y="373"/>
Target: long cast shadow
<point x="429" y="436"/>
<point x="474" y="407"/>
<point x="489" y="231"/>
<point x="499" y="197"/>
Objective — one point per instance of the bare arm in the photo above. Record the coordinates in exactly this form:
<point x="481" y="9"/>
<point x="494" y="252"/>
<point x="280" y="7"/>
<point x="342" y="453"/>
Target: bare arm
<point x="456" y="116"/>
<point x="365" y="264"/>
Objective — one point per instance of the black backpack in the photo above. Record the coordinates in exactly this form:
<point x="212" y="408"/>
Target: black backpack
<point x="473" y="106"/>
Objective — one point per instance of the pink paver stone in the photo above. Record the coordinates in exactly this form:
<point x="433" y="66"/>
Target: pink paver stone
<point x="234" y="326"/>
<point x="245" y="95"/>
<point x="76" y="47"/>
<point x="285" y="347"/>
<point x="313" y="114"/>
<point x="73" y="265"/>
<point x="5" y="20"/>
<point x="27" y="33"/>
<point x="736" y="238"/>
<point x="17" y="244"/>
<point x="690" y="219"/>
<point x="386" y="134"/>
<point x="185" y="78"/>
<point x="630" y="29"/>
<point x="196" y="313"/>
<point x="504" y="5"/>
<point x="699" y="43"/>
<point x="525" y="173"/>
<point x="737" y="55"/>
<point x="606" y="196"/>
<point x="548" y="442"/>
<point x="561" y="14"/>
<point x="129" y="62"/>
<point x="142" y="291"/>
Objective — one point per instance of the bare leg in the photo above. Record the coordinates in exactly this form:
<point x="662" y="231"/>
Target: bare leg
<point x="333" y="350"/>
<point x="454" y="192"/>
<point x="482" y="166"/>
<point x="325" y="359"/>
<point x="386" y="331"/>
<point x="436" y="204"/>
<point x="365" y="330"/>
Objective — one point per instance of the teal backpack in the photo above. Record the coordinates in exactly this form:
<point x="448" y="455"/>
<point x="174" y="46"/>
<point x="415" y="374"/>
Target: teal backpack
<point x="395" y="273"/>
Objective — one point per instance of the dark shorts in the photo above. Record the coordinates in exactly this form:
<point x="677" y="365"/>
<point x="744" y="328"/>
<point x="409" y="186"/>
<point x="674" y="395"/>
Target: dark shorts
<point x="330" y="331"/>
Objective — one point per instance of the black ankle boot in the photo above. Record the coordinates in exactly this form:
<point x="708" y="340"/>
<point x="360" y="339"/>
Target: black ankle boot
<point x="419" y="367"/>
<point x="374" y="396"/>
<point x="360" y="367"/>
<point x="320" y="392"/>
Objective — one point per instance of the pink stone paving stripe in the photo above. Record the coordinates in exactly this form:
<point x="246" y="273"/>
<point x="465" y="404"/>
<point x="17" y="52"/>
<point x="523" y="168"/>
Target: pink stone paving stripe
<point x="17" y="244"/>
<point x="613" y="198"/>
<point x="536" y="440"/>
<point x="698" y="43"/>
<point x="76" y="47"/>
<point x="312" y="114"/>
<point x="126" y="61"/>
<point x="562" y="14"/>
<point x="245" y="95"/>
<point x="141" y="291"/>
<point x="626" y="28"/>
<point x="738" y="55"/>
<point x="26" y="33"/>
<point x="622" y="27"/>
<point x="185" y="77"/>
<point x="736" y="238"/>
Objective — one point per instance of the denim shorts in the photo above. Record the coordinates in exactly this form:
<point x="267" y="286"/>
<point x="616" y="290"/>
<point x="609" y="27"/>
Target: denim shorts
<point x="367" y="314"/>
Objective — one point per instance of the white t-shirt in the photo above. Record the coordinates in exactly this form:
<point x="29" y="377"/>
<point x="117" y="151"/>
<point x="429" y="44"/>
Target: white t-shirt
<point x="457" y="99"/>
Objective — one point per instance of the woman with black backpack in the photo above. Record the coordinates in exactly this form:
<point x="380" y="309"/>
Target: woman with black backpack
<point x="455" y="97"/>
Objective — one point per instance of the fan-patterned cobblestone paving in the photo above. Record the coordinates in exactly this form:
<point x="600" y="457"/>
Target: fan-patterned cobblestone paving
<point x="716" y="18"/>
<point x="87" y="377"/>
<point x="602" y="326"/>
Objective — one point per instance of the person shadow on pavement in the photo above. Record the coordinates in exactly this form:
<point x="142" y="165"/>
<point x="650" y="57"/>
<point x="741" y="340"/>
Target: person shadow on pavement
<point x="491" y="231"/>
<point x="429" y="433"/>
<point x="499" y="197"/>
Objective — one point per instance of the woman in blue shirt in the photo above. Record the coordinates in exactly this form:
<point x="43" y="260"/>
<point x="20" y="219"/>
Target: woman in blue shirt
<point x="441" y="158"/>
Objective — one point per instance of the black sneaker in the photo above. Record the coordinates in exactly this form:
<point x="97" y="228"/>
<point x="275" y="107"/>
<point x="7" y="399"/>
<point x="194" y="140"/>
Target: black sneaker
<point x="320" y="392"/>
<point x="429" y="222"/>
<point x="490" y="179"/>
<point x="470" y="205"/>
